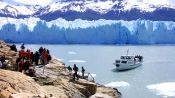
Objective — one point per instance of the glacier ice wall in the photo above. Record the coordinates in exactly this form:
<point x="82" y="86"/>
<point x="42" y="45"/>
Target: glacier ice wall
<point x="60" y="31"/>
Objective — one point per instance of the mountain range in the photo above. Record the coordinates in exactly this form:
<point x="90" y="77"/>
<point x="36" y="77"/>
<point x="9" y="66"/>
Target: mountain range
<point x="93" y="10"/>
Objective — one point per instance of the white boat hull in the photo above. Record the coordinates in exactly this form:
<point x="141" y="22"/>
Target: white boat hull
<point x="122" y="66"/>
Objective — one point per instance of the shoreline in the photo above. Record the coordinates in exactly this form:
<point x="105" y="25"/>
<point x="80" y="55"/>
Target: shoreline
<point x="154" y="44"/>
<point x="57" y="81"/>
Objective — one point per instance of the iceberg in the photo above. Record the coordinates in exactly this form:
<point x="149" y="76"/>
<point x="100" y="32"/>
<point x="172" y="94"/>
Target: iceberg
<point x="61" y="31"/>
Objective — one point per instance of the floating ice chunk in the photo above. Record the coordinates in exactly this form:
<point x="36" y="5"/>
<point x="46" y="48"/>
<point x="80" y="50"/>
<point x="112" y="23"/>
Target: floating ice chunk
<point x="118" y="84"/>
<point x="166" y="89"/>
<point x="72" y="52"/>
<point x="77" y="61"/>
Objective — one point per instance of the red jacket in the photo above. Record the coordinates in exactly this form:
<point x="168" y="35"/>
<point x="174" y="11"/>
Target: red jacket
<point x="22" y="53"/>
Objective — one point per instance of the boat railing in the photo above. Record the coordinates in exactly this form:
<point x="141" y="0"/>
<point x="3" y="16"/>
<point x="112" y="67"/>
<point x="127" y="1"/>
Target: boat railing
<point x="140" y="58"/>
<point x="86" y="76"/>
<point x="93" y="79"/>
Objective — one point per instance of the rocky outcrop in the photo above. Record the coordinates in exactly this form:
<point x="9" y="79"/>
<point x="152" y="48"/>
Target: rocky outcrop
<point x="58" y="78"/>
<point x="51" y="81"/>
<point x="107" y="91"/>
<point x="17" y="85"/>
<point x="62" y="83"/>
<point x="10" y="56"/>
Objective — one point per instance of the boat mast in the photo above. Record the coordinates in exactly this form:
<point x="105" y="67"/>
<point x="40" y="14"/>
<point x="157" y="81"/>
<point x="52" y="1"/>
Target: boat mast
<point x="127" y="52"/>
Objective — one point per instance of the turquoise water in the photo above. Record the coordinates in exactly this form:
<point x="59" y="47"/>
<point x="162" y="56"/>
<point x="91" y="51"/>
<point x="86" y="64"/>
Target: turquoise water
<point x="154" y="79"/>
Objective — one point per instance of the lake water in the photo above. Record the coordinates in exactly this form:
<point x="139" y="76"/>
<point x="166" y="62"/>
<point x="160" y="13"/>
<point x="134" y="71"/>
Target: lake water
<point x="154" y="79"/>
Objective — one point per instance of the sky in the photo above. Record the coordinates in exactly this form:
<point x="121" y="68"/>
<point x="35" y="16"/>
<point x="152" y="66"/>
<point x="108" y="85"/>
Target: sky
<point x="46" y="2"/>
<point x="30" y="2"/>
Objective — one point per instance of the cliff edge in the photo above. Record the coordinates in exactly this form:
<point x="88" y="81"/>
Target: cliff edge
<point x="55" y="82"/>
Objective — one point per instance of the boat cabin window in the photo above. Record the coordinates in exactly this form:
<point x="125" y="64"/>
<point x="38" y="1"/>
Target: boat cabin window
<point x="124" y="62"/>
<point x="122" y="57"/>
<point x="127" y="57"/>
<point x="117" y="61"/>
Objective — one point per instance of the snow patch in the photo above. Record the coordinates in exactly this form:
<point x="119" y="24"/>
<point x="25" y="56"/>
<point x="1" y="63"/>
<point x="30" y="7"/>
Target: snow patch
<point x="146" y="5"/>
<point x="34" y="2"/>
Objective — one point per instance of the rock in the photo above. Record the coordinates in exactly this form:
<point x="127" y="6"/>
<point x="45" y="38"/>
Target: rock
<point x="58" y="82"/>
<point x="100" y="95"/>
<point x="65" y="86"/>
<point x="55" y="82"/>
<point x="10" y="55"/>
<point x="16" y="84"/>
<point x="85" y="87"/>
<point x="113" y="93"/>
<point x="57" y="92"/>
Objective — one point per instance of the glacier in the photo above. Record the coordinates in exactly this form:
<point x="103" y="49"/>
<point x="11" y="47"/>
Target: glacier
<point x="61" y="31"/>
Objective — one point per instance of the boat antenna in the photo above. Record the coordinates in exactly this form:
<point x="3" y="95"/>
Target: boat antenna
<point x="127" y="52"/>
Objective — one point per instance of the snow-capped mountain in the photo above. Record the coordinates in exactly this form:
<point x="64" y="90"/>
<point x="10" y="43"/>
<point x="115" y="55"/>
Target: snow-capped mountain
<point x="94" y="10"/>
<point x="92" y="22"/>
<point x="105" y="6"/>
<point x="109" y="9"/>
<point x="18" y="11"/>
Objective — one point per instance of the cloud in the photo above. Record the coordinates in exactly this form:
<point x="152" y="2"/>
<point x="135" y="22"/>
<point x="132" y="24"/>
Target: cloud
<point x="34" y="2"/>
<point x="172" y="2"/>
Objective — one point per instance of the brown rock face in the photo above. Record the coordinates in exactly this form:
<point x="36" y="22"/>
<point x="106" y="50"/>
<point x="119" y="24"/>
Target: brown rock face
<point x="85" y="87"/>
<point x="56" y="81"/>
<point x="112" y="93"/>
<point x="15" y="84"/>
<point x="11" y="56"/>
<point x="64" y="87"/>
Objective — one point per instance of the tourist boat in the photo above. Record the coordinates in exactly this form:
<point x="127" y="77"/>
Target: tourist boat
<point x="128" y="62"/>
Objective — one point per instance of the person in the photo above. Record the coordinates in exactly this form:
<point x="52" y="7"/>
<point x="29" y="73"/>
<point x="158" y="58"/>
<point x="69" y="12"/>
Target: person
<point x="44" y="57"/>
<point x="28" y="54"/>
<point x="26" y="66"/>
<point x="32" y="57"/>
<point x="3" y="61"/>
<point x="75" y="68"/>
<point x="13" y="48"/>
<point x="31" y="72"/>
<point x="41" y="50"/>
<point x="1" y="64"/>
<point x="48" y="51"/>
<point x="22" y="54"/>
<point x="2" y="58"/>
<point x="69" y="68"/>
<point x="22" y="46"/>
<point x="36" y="57"/>
<point x="83" y="71"/>
<point x="20" y="66"/>
<point x="49" y="58"/>
<point x="17" y="63"/>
